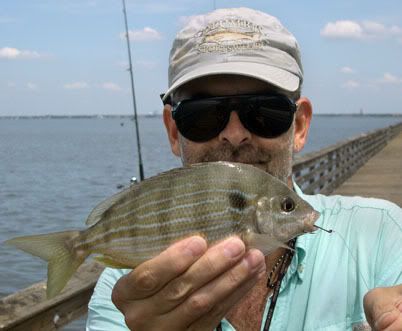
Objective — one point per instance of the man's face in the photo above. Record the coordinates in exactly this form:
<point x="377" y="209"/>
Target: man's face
<point x="235" y="143"/>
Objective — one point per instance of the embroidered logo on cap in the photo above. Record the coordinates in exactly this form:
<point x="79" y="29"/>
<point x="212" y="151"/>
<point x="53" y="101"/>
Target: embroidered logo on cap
<point x="230" y="35"/>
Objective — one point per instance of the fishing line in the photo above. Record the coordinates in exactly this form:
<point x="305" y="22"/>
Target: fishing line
<point x="354" y="259"/>
<point x="319" y="227"/>
<point x="349" y="251"/>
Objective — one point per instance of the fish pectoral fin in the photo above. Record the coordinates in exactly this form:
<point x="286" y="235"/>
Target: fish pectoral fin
<point x="109" y="262"/>
<point x="265" y="243"/>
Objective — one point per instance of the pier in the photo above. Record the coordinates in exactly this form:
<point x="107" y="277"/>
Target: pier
<point x="367" y="165"/>
<point x="380" y="177"/>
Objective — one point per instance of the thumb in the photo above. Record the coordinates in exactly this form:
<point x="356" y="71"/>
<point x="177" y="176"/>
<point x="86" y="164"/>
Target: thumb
<point x="382" y="306"/>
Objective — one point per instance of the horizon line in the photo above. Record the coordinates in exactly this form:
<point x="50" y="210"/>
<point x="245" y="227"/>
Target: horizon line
<point x="100" y="116"/>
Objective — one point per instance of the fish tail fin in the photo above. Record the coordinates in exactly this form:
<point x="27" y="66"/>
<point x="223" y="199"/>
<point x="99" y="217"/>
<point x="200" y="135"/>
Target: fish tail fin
<point x="57" y="250"/>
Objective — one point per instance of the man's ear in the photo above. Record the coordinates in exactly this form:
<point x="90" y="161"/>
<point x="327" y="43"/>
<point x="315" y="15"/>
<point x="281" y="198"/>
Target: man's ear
<point x="302" y="123"/>
<point x="171" y="128"/>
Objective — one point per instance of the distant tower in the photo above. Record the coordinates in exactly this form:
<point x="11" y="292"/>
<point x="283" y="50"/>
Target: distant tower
<point x="361" y="111"/>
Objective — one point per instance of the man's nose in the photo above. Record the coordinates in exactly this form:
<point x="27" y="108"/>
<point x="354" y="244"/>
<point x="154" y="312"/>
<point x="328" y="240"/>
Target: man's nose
<point x="234" y="132"/>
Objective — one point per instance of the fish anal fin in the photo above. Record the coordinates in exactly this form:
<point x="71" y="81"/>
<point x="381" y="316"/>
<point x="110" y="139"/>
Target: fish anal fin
<point x="109" y="262"/>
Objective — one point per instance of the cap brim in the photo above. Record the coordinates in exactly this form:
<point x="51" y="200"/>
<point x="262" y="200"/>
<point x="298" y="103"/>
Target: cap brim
<point x="278" y="77"/>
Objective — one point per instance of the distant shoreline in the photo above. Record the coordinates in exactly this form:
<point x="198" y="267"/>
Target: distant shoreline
<point x="76" y="116"/>
<point x="160" y="115"/>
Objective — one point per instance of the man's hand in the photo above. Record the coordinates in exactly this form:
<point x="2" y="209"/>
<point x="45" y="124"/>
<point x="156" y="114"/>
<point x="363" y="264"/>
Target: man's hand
<point x="188" y="287"/>
<point x="383" y="308"/>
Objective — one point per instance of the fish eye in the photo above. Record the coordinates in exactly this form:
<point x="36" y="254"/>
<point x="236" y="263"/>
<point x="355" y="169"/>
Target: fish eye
<point x="288" y="205"/>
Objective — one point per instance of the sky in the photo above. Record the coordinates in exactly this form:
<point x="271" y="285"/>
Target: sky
<point x="69" y="57"/>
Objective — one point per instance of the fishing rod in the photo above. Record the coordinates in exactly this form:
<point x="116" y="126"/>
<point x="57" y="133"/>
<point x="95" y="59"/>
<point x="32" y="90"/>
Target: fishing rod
<point x="130" y="69"/>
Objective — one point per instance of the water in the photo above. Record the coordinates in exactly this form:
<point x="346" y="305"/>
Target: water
<point x="54" y="171"/>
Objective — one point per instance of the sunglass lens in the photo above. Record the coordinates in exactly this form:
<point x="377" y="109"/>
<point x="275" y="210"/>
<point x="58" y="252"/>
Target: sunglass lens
<point x="268" y="118"/>
<point x="200" y="120"/>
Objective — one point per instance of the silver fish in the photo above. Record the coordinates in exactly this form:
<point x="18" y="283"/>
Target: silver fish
<point x="215" y="200"/>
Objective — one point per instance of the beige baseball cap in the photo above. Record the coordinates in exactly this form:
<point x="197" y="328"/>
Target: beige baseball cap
<point x="239" y="41"/>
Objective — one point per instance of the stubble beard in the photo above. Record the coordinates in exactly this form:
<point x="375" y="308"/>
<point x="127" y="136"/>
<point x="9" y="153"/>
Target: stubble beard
<point x="277" y="162"/>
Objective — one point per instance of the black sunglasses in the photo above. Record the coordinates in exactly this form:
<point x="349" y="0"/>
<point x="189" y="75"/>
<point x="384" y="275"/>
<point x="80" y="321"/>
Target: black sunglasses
<point x="202" y="119"/>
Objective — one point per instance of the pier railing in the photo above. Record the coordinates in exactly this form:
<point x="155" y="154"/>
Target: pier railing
<point x="323" y="171"/>
<point x="320" y="171"/>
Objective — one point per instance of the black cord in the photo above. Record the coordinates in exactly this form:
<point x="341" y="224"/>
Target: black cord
<point x="282" y="272"/>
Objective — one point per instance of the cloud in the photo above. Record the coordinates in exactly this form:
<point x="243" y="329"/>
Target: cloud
<point x="111" y="86"/>
<point x="347" y="70"/>
<point x="14" y="53"/>
<point x="146" y="34"/>
<point x="76" y="86"/>
<point x="390" y="79"/>
<point x="32" y="86"/>
<point x="365" y="30"/>
<point x="11" y="85"/>
<point x="374" y="28"/>
<point x="351" y="85"/>
<point x="342" y="29"/>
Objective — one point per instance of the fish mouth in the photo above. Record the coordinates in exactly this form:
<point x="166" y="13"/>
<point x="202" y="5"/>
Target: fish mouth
<point x="310" y="220"/>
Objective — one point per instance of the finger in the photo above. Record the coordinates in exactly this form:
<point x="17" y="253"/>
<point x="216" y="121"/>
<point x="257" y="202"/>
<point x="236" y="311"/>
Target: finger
<point x="150" y="276"/>
<point x="220" y="310"/>
<point x="383" y="307"/>
<point x="390" y="320"/>
<point x="213" y="263"/>
<point x="203" y="301"/>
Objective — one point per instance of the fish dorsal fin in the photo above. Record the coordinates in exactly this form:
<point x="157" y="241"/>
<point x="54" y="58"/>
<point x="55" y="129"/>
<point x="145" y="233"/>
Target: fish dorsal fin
<point x="96" y="214"/>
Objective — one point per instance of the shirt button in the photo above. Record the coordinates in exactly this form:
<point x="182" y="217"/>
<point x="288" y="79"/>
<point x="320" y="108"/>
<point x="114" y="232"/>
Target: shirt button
<point x="300" y="268"/>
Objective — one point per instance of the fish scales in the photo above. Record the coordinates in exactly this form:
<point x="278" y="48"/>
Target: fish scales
<point x="165" y="202"/>
<point x="150" y="243"/>
<point x="186" y="182"/>
<point x="168" y="220"/>
<point x="214" y="200"/>
<point x="169" y="206"/>
<point x="182" y="185"/>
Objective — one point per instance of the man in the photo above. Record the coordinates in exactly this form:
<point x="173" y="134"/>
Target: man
<point x="235" y="80"/>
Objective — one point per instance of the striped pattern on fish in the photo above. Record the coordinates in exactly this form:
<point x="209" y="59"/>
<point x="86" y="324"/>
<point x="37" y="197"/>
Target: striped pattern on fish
<point x="214" y="200"/>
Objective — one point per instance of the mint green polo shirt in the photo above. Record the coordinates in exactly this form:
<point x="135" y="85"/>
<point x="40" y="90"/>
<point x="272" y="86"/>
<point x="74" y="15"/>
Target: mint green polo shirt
<point x="329" y="274"/>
